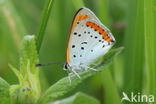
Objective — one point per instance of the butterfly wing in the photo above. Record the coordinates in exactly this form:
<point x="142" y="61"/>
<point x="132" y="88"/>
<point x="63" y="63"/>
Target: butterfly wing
<point x="99" y="40"/>
<point x="89" y="39"/>
<point x="82" y="14"/>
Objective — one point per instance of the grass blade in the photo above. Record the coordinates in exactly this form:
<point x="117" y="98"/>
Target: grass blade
<point x="44" y="21"/>
<point x="150" y="49"/>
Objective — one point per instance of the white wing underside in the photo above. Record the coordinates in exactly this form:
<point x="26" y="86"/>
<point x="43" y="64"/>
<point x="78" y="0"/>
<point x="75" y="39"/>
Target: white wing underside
<point x="92" y="50"/>
<point x="87" y="45"/>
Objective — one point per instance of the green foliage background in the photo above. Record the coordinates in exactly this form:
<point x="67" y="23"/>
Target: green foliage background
<point x="132" y="22"/>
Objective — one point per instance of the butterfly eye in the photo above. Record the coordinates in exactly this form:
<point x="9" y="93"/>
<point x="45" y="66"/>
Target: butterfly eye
<point x="66" y="66"/>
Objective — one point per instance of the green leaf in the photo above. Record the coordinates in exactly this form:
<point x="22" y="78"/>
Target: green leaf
<point x="4" y="92"/>
<point x="29" y="90"/>
<point x="28" y="61"/>
<point x="63" y="86"/>
<point x="17" y="73"/>
<point x="78" y="98"/>
<point x="20" y="94"/>
<point x="44" y="21"/>
<point x="28" y="53"/>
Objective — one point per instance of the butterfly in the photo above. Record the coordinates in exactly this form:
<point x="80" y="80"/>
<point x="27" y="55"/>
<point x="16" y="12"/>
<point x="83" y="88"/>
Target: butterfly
<point x="89" y="40"/>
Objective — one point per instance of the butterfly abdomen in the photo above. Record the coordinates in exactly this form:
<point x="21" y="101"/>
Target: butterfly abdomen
<point x="100" y="30"/>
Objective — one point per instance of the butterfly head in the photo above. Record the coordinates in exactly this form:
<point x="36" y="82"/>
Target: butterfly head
<point x="66" y="66"/>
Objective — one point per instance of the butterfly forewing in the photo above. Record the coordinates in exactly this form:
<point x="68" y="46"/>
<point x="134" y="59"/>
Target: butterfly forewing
<point x="89" y="39"/>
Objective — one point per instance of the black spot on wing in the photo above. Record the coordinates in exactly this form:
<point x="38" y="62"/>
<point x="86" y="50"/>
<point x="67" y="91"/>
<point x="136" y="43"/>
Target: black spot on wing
<point x="75" y="33"/>
<point x="103" y="46"/>
<point x="73" y="46"/>
<point x="84" y="43"/>
<point x="79" y="35"/>
<point x="74" y="56"/>
<point x="82" y="48"/>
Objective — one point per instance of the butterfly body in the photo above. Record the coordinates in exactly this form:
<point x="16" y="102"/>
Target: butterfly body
<point x="89" y="40"/>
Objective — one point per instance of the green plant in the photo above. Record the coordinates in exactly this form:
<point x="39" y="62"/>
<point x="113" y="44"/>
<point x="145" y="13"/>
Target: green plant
<point x="132" y="22"/>
<point x="28" y="91"/>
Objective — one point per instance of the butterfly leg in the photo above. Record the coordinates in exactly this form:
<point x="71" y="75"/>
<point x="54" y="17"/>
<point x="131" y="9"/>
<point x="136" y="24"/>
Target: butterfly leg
<point x="76" y="73"/>
<point x="98" y="64"/>
<point x="95" y="64"/>
<point x="93" y="69"/>
<point x="69" y="77"/>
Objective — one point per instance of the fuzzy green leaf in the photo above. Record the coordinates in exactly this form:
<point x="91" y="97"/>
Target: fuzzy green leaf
<point x="63" y="86"/>
<point x="4" y="92"/>
<point x="20" y="94"/>
<point x="29" y="53"/>
<point x="17" y="73"/>
<point x="78" y="98"/>
<point x="28" y="61"/>
<point x="28" y="91"/>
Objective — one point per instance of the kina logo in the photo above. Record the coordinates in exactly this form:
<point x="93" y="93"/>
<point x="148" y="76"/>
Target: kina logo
<point x="137" y="97"/>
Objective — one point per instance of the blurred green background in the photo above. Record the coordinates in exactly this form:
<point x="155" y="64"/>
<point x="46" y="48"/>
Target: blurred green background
<point x="132" y="22"/>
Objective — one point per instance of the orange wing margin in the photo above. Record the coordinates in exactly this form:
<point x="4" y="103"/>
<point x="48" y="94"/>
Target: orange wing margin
<point x="77" y="18"/>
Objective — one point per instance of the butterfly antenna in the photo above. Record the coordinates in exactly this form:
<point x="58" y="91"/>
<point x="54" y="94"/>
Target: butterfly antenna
<point x="39" y="65"/>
